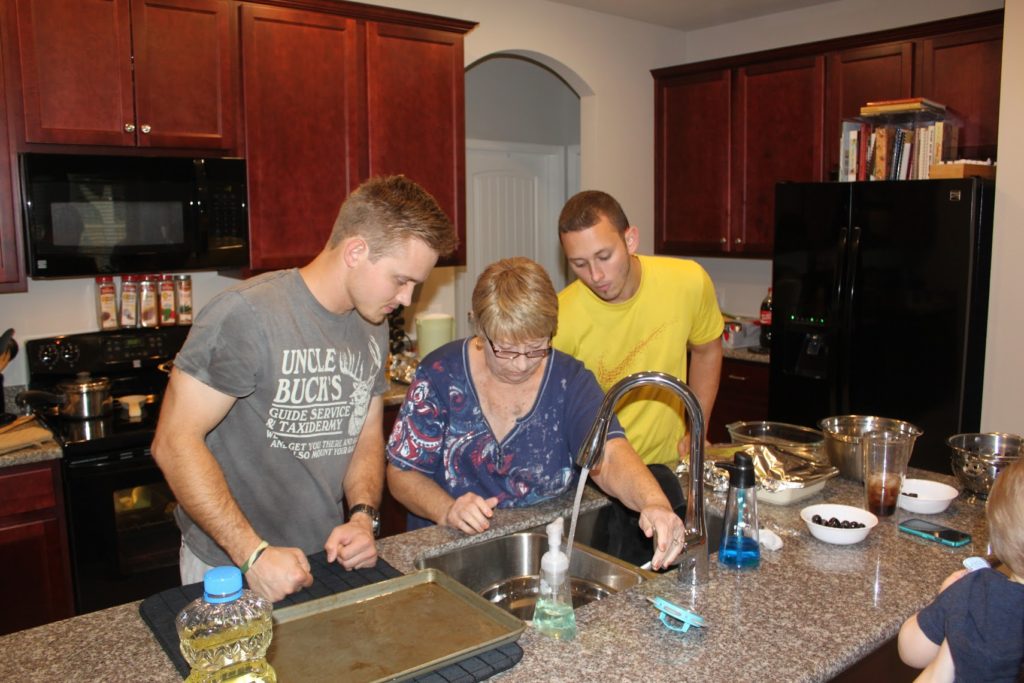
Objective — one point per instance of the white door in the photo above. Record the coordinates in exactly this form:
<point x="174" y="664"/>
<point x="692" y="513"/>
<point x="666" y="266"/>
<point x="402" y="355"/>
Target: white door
<point x="514" y="194"/>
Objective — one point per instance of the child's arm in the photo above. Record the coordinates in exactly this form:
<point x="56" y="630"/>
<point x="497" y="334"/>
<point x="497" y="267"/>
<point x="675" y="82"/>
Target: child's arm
<point x="915" y="648"/>
<point x="941" y="670"/>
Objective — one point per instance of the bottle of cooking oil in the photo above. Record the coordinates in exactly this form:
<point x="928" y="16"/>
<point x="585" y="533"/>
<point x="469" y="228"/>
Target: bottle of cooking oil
<point x="225" y="634"/>
<point x="553" y="615"/>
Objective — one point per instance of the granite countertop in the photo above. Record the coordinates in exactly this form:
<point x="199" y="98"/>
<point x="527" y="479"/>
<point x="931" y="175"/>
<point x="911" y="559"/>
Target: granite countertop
<point x="807" y="613"/>
<point x="39" y="451"/>
<point x="750" y="354"/>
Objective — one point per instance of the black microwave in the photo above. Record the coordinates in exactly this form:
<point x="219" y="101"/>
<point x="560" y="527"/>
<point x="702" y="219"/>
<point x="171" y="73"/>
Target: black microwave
<point x="91" y="214"/>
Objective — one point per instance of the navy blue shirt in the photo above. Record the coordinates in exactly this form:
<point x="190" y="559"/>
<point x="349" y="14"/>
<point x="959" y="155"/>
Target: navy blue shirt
<point x="982" y="617"/>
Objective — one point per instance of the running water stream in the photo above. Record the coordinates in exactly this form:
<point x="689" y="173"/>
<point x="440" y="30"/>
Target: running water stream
<point x="570" y="541"/>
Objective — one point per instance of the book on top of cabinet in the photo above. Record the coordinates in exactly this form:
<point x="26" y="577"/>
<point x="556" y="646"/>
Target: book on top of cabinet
<point x="906" y="104"/>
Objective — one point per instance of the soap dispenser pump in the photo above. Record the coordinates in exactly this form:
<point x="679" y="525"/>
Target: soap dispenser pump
<point x="553" y="615"/>
<point x="740" y="544"/>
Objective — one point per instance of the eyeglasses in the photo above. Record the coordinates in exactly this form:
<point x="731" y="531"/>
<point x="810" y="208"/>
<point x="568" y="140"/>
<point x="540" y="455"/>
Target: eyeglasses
<point x="512" y="355"/>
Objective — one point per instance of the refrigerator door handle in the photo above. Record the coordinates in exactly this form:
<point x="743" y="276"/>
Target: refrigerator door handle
<point x="840" y="272"/>
<point x="845" y="370"/>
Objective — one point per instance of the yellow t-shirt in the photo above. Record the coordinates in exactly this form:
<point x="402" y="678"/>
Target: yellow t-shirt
<point x="674" y="306"/>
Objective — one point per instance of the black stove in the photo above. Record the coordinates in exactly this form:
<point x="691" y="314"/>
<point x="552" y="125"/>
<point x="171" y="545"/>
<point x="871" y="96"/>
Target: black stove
<point x="130" y="359"/>
<point x="122" y="535"/>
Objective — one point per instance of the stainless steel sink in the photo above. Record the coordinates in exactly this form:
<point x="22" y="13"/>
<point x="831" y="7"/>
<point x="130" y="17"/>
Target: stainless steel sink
<point x="506" y="571"/>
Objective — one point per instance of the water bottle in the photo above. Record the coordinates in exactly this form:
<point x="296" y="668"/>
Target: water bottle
<point x="553" y="614"/>
<point x="740" y="547"/>
<point x="766" y="320"/>
<point x="225" y="634"/>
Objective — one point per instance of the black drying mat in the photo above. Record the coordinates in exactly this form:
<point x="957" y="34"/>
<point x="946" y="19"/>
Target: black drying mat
<point x="160" y="610"/>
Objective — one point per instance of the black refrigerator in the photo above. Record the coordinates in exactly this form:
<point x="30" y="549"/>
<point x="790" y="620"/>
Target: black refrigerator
<point x="880" y="305"/>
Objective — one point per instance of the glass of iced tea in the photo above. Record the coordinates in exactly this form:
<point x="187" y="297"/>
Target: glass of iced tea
<point x="885" y="454"/>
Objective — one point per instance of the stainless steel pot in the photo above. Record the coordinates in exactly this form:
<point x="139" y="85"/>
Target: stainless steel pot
<point x="843" y="438"/>
<point x="83" y="398"/>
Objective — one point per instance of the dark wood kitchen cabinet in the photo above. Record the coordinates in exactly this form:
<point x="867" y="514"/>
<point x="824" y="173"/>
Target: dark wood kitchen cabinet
<point x="332" y="99"/>
<point x="12" y="269"/>
<point x="728" y="130"/>
<point x="301" y="73"/>
<point x="723" y="138"/>
<point x="742" y="397"/>
<point x="33" y="541"/>
<point x="146" y="73"/>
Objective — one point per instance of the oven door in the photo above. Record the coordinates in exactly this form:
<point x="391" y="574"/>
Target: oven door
<point x="124" y="541"/>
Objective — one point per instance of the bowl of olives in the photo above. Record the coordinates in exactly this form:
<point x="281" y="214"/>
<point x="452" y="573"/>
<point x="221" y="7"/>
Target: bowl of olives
<point x="839" y="524"/>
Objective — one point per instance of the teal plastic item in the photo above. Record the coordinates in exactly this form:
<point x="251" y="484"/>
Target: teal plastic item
<point x="671" y="612"/>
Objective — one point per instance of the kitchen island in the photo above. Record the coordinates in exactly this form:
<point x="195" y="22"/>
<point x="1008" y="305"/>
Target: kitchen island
<point x="810" y="610"/>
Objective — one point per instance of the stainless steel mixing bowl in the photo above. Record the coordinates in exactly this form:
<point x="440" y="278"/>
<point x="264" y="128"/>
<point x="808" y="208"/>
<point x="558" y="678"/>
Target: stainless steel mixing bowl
<point x="978" y="458"/>
<point x="843" y="436"/>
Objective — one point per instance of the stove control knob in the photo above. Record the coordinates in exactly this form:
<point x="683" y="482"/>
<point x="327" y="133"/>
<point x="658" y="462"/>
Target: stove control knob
<point x="48" y="355"/>
<point x="70" y="353"/>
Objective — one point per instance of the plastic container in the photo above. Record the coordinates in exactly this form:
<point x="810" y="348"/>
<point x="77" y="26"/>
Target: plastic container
<point x="740" y="547"/>
<point x="225" y="634"/>
<point x="553" y="615"/>
<point x="129" y="301"/>
<point x="106" y="302"/>
<point x="183" y="298"/>
<point x="802" y="441"/>
<point x="168" y="309"/>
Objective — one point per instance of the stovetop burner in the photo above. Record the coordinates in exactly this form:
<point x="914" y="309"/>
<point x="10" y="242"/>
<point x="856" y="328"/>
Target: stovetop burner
<point x="131" y="359"/>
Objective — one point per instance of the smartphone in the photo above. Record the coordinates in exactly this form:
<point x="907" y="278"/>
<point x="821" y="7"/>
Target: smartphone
<point x="935" y="532"/>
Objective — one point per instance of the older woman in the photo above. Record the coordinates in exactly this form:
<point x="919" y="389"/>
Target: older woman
<point x="495" y="420"/>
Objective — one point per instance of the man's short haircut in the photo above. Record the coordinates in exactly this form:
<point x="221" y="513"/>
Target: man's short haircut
<point x="1005" y="514"/>
<point x="386" y="211"/>
<point x="586" y="209"/>
<point x="514" y="301"/>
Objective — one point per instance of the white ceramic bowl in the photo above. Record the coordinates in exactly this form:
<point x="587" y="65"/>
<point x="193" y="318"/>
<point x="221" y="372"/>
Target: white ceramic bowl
<point x="840" y="512"/>
<point x="931" y="497"/>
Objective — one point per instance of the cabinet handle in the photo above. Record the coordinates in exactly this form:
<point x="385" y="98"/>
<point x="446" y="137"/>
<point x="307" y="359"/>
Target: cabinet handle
<point x="145" y="128"/>
<point x="738" y="378"/>
<point x="129" y="128"/>
<point x="723" y="240"/>
<point x="739" y="240"/>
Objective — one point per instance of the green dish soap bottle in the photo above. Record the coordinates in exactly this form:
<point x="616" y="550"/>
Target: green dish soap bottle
<point x="553" y="615"/>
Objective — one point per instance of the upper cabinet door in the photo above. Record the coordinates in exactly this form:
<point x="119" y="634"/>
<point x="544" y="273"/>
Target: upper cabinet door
<point x="76" y="71"/>
<point x="303" y="132"/>
<point x="76" y="62"/>
<point x="693" y="129"/>
<point x="860" y="75"/>
<point x="779" y="111"/>
<point x="186" y="73"/>
<point x="416" y="114"/>
<point x="962" y="70"/>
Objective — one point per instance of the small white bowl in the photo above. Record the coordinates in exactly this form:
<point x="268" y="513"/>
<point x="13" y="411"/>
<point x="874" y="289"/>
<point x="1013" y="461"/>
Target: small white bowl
<point x="932" y="496"/>
<point x="842" y="513"/>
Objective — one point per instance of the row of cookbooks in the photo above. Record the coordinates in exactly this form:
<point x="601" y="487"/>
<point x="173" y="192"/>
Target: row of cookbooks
<point x="897" y="140"/>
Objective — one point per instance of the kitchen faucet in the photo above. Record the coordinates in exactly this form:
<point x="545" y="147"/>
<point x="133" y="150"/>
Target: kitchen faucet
<point x="693" y="563"/>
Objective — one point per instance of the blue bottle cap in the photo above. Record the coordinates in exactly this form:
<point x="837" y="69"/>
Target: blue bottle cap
<point x="222" y="584"/>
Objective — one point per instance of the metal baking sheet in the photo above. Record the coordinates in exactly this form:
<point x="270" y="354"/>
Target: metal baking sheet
<point x="389" y="631"/>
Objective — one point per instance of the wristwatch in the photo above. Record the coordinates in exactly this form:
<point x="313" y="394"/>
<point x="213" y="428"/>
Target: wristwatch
<point x="371" y="512"/>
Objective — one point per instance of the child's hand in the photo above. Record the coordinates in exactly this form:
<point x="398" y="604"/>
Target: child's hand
<point x="951" y="579"/>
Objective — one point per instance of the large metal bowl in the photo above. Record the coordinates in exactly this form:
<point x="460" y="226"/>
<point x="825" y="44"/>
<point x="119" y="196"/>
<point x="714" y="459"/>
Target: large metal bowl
<point x="843" y="436"/>
<point x="979" y="458"/>
<point x="803" y="441"/>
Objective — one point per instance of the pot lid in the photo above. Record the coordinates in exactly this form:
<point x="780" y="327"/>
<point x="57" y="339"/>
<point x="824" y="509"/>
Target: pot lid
<point x="85" y="382"/>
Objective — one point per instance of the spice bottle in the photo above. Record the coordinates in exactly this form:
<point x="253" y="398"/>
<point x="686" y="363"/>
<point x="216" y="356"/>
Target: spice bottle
<point x="183" y="298"/>
<point x="168" y="309"/>
<point x="129" y="301"/>
<point x="106" y="302"/>
<point x="148" y="302"/>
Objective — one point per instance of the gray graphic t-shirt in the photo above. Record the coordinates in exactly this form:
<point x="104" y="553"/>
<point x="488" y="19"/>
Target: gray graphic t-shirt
<point x="303" y="377"/>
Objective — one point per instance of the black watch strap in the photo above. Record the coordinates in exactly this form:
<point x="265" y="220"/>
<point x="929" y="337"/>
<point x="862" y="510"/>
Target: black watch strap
<point x="371" y="512"/>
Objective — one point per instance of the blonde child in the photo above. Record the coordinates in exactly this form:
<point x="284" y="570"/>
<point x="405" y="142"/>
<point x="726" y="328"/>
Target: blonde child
<point x="974" y="628"/>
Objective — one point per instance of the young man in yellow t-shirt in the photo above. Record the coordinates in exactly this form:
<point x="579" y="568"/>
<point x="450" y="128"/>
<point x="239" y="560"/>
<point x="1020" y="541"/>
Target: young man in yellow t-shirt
<point x="629" y="313"/>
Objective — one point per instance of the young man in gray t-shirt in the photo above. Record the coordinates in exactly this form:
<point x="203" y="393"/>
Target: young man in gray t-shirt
<point x="273" y="413"/>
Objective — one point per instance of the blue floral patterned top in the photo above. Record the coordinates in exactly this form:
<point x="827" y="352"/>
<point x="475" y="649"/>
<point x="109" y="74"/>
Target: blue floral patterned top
<point x="441" y="431"/>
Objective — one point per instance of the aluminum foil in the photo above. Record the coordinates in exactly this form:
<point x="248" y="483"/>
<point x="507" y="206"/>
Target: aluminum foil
<point x="775" y="468"/>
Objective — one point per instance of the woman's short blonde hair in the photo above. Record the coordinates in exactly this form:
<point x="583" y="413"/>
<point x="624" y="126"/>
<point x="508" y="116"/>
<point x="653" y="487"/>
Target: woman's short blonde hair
<point x="514" y="301"/>
<point x="1005" y="514"/>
